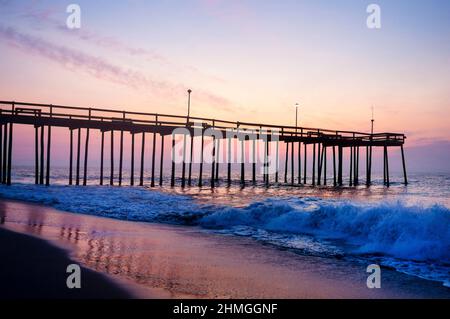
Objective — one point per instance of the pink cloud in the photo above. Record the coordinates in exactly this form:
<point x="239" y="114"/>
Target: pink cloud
<point x="98" y="67"/>
<point x="69" y="58"/>
<point x="46" y="18"/>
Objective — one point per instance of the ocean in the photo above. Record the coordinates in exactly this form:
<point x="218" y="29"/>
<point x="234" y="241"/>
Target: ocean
<point x="406" y="228"/>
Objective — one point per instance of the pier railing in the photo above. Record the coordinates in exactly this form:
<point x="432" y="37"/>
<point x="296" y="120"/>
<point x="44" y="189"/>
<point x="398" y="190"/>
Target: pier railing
<point x="176" y="121"/>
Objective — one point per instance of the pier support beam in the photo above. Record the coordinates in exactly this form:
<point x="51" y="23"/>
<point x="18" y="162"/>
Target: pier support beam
<point x="183" y="172"/>
<point x="286" y="163"/>
<point x="141" y="173"/>
<point x="319" y="164"/>
<point x="121" y="157"/>
<point x="102" y="156"/>
<point x="386" y="167"/>
<point x="324" y="165"/>
<point x="405" y="177"/>
<point x="49" y="143"/>
<point x="5" y="152"/>
<point x="314" y="165"/>
<point x="70" y="156"/>
<point x="277" y="161"/>
<point x="218" y="157"/>
<point x="41" y="177"/>
<point x="351" y="166"/>
<point x="191" y="158"/>
<point x="111" y="178"/>
<point x="36" y="153"/>
<point x="86" y="150"/>
<point x="369" y="165"/>
<point x="334" y="167"/>
<point x="299" y="155"/>
<point x="242" y="163"/>
<point x="78" y="156"/>
<point x="305" y="158"/>
<point x="213" y="167"/>
<point x="1" y="156"/>
<point x="152" y="184"/>
<point x="202" y="147"/>
<point x="161" y="164"/>
<point x="340" y="160"/>
<point x="10" y="144"/>
<point x="229" y="162"/>
<point x="132" y="160"/>
<point x="172" y="176"/>
<point x="254" y="162"/>
<point x="292" y="165"/>
<point x="266" y="164"/>
<point x="356" y="181"/>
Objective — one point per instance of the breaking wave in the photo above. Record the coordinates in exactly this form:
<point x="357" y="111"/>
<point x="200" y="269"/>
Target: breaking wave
<point x="415" y="235"/>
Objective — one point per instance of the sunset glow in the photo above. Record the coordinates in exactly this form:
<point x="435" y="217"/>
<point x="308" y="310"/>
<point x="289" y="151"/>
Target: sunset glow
<point x="244" y="60"/>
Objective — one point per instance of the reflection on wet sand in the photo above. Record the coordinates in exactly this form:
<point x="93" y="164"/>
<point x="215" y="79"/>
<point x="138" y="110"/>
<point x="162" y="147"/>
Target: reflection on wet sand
<point x="184" y="262"/>
<point x="104" y="248"/>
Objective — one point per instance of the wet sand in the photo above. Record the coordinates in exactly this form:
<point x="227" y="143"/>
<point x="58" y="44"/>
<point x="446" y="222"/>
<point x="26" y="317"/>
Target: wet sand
<point x="33" y="269"/>
<point x="160" y="261"/>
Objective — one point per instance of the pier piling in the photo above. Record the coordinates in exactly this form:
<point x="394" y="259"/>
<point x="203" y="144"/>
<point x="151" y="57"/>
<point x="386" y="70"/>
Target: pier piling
<point x="191" y="158"/>
<point x="152" y="184"/>
<point x="305" y="163"/>
<point x="161" y="163"/>
<point x="242" y="162"/>
<point x="111" y="178"/>
<point x="314" y="165"/>
<point x="141" y="173"/>
<point x="405" y="177"/>
<point x="121" y="156"/>
<point x="49" y="140"/>
<point x="292" y="165"/>
<point x="36" y="153"/>
<point x="299" y="155"/>
<point x="286" y="164"/>
<point x="213" y="166"/>
<point x="202" y="149"/>
<point x="78" y="156"/>
<point x="5" y="152"/>
<point x="102" y="155"/>
<point x="172" y="176"/>
<point x="132" y="159"/>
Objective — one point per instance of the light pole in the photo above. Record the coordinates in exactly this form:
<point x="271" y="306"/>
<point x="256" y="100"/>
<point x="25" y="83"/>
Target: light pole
<point x="189" y="105"/>
<point x="373" y="120"/>
<point x="296" y="116"/>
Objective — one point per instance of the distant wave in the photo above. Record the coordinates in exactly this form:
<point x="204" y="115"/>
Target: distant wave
<point x="392" y="229"/>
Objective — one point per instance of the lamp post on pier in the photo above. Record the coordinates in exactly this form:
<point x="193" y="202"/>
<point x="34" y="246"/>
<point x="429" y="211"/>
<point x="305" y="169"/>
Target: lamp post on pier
<point x="296" y="116"/>
<point x="189" y="105"/>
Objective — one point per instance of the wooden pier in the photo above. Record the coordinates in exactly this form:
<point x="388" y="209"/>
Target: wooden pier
<point x="316" y="143"/>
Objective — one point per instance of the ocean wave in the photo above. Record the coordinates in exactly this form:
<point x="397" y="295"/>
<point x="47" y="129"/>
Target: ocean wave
<point x="419" y="234"/>
<point x="407" y="232"/>
<point x="126" y="203"/>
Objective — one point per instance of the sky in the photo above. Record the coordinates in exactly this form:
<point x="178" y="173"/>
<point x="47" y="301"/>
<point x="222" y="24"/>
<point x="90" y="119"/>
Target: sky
<point x="247" y="60"/>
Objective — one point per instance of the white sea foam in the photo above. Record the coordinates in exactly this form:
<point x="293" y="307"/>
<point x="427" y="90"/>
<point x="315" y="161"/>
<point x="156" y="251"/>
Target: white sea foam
<point x="407" y="232"/>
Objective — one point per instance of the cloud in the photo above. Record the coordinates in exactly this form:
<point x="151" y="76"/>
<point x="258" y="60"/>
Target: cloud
<point x="98" y="67"/>
<point x="74" y="59"/>
<point x="46" y="18"/>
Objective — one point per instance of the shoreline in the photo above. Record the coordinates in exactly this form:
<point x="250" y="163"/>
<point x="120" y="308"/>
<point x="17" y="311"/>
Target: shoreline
<point x="35" y="269"/>
<point x="162" y="261"/>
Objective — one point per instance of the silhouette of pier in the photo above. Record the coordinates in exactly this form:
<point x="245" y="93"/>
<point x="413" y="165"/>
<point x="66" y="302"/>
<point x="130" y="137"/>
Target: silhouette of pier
<point x="312" y="144"/>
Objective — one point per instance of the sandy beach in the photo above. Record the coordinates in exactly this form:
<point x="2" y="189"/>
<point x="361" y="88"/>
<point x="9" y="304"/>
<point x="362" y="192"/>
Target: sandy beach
<point x="129" y="259"/>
